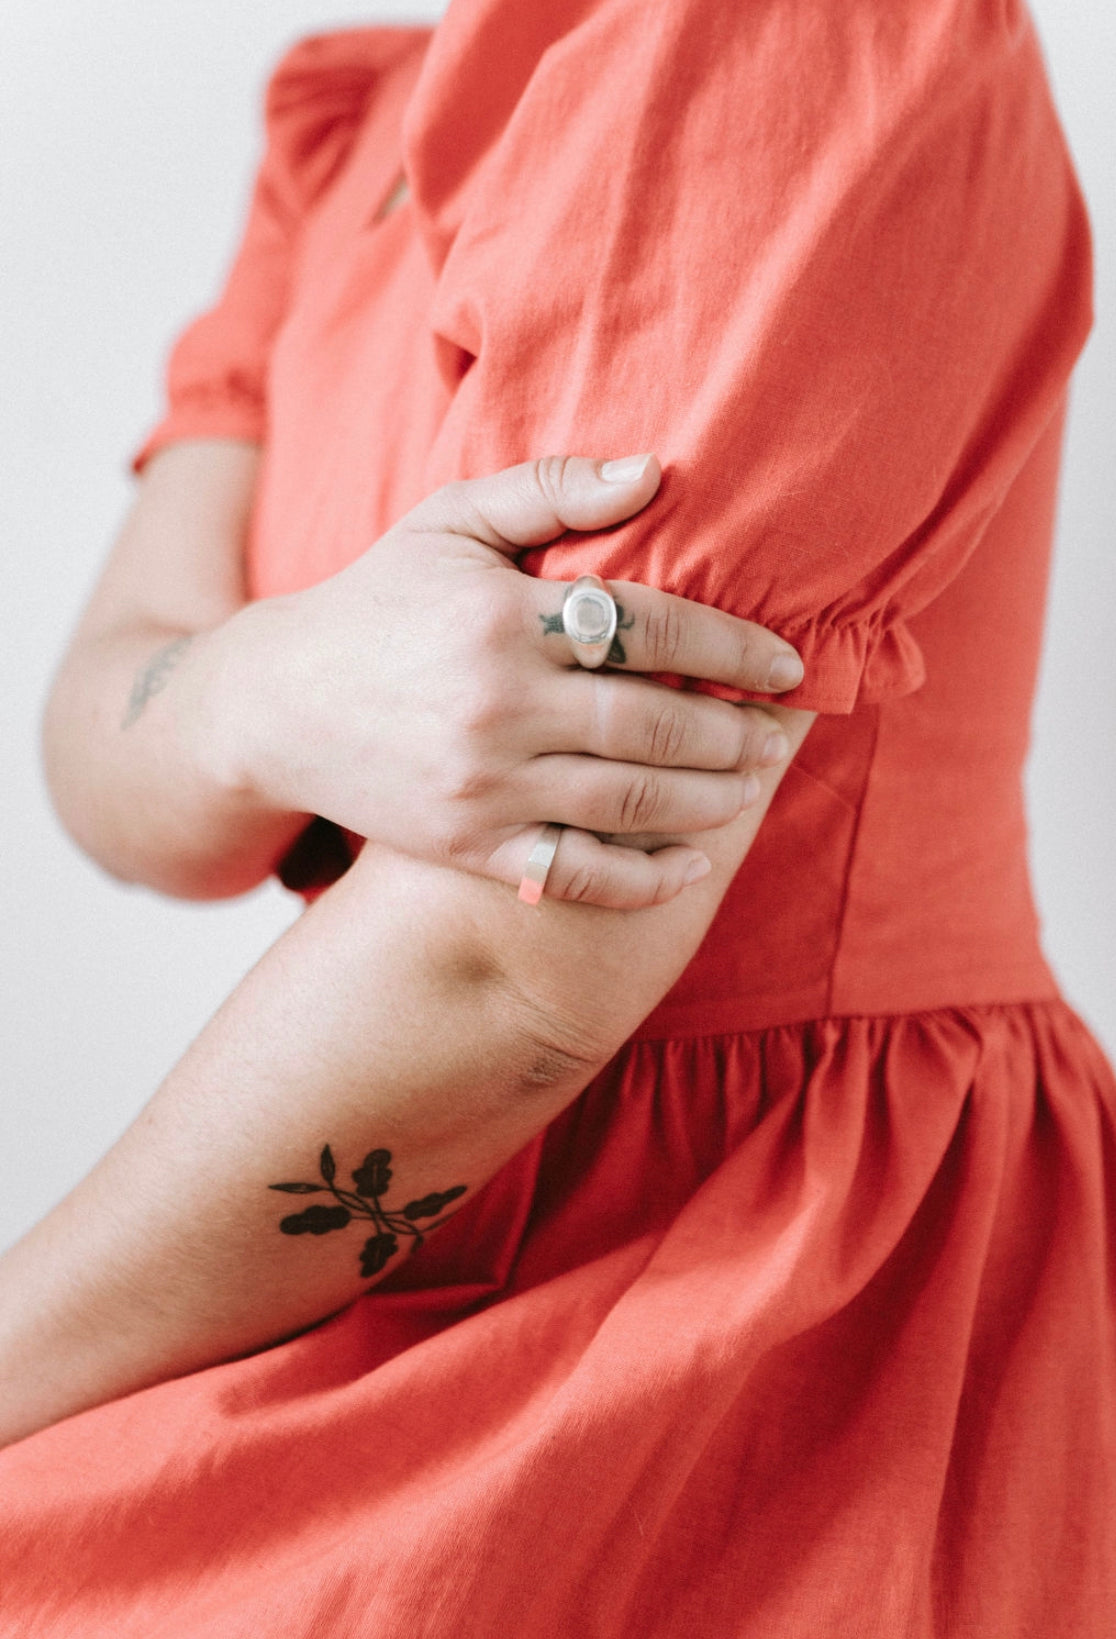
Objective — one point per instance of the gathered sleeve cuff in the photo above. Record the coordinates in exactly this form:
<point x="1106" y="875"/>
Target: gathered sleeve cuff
<point x="831" y="265"/>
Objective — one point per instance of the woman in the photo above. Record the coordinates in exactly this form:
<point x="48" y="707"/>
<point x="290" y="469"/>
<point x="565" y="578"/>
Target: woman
<point x="795" y="1320"/>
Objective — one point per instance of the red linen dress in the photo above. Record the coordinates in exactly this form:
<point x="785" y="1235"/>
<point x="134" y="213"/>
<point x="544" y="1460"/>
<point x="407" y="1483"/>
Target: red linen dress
<point x="798" y="1324"/>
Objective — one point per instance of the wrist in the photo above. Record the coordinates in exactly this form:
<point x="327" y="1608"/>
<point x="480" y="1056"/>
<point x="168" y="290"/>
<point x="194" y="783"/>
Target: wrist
<point x="226" y="717"/>
<point x="221" y="734"/>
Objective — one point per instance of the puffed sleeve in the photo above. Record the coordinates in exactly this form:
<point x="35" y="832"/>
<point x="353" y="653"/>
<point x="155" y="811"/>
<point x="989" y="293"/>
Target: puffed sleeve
<point x="315" y="104"/>
<point x="829" y="262"/>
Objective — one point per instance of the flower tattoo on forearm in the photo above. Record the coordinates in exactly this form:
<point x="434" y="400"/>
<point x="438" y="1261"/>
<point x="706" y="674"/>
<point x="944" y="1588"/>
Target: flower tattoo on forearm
<point x="372" y="1179"/>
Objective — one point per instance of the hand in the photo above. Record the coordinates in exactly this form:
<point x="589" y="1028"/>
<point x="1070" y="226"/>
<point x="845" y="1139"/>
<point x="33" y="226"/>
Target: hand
<point x="427" y="698"/>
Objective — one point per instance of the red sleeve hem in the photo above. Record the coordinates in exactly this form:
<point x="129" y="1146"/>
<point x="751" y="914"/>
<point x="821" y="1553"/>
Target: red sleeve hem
<point x="846" y="667"/>
<point x="243" y="422"/>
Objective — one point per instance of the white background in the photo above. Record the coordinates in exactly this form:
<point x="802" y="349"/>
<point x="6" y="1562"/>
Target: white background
<point x="128" y="133"/>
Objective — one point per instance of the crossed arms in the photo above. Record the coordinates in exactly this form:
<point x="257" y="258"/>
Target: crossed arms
<point x="416" y="1011"/>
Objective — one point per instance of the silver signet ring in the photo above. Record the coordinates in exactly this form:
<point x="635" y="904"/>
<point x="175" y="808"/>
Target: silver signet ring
<point x="589" y="620"/>
<point x="532" y="884"/>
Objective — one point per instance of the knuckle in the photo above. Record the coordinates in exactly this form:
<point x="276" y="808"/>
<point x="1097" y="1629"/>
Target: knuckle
<point x="463" y="516"/>
<point x="664" y="635"/>
<point x="454" y="494"/>
<point x="585" y="885"/>
<point x="455" y="842"/>
<point x="467" y="787"/>
<point x="641" y="803"/>
<point x="502" y="595"/>
<point x="466" y="776"/>
<point x="668" y="736"/>
<point x="550" y="476"/>
<point x="485" y="612"/>
<point x="477" y="712"/>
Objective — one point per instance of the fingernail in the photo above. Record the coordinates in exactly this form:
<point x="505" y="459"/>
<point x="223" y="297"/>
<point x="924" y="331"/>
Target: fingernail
<point x="751" y="792"/>
<point x="625" y="469"/>
<point x="698" y="867"/>
<point x="775" y="748"/>
<point x="785" y="671"/>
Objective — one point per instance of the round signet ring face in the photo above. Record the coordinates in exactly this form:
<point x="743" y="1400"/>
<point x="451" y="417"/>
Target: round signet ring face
<point x="589" y="617"/>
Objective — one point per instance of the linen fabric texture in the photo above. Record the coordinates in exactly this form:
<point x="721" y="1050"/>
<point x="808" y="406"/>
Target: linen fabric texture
<point x="799" y="1321"/>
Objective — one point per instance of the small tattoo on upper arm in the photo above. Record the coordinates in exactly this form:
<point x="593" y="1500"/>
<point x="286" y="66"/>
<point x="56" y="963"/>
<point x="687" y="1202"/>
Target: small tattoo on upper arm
<point x="617" y="656"/>
<point x="152" y="678"/>
<point x="372" y="1179"/>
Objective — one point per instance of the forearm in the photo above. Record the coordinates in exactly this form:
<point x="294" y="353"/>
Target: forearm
<point x="127" y="741"/>
<point x="422" y="696"/>
<point x="412" y="1010"/>
<point x="358" y="1030"/>
<point x="134" y="722"/>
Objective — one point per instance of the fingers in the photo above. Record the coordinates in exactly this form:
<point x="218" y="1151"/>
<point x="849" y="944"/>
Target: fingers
<point x="657" y="632"/>
<point x="586" y="871"/>
<point x="622" y="798"/>
<point x="539" y="500"/>
<point x="632" y="720"/>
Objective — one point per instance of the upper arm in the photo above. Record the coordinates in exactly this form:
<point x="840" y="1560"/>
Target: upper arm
<point x="577" y="979"/>
<point x="179" y="561"/>
<point x="842" y="318"/>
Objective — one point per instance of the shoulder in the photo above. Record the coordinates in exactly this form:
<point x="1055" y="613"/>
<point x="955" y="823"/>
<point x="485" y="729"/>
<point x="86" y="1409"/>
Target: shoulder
<point x="319" y="96"/>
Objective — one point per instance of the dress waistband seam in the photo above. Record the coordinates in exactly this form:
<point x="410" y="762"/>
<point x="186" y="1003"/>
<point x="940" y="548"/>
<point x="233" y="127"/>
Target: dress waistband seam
<point x="952" y="1010"/>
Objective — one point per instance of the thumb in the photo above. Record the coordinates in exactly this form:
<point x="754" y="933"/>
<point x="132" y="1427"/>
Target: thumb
<point x="539" y="500"/>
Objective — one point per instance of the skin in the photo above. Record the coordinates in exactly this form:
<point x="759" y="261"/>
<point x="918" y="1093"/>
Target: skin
<point x="184" y="749"/>
<point x="417" y="1010"/>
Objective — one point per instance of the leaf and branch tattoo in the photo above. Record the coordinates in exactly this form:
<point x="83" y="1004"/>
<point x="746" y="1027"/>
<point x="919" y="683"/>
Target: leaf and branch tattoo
<point x="152" y="679"/>
<point x="372" y="1179"/>
<point x="617" y="655"/>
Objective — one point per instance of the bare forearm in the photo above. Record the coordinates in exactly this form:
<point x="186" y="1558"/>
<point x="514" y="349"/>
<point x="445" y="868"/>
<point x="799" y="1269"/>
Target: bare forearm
<point x="132" y="728"/>
<point x="413" y="1013"/>
<point x="421" y="697"/>
<point x="125" y="741"/>
<point x="358" y="1031"/>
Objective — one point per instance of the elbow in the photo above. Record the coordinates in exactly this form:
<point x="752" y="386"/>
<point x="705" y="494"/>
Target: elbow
<point x="538" y="1051"/>
<point x="120" y="846"/>
<point x="74" y="803"/>
<point x="554" y="1052"/>
<point x="546" y="1067"/>
<point x="530" y="1030"/>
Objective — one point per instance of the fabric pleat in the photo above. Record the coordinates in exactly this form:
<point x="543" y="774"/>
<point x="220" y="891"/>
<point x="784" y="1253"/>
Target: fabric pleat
<point x="798" y="1323"/>
<point x="766" y="1320"/>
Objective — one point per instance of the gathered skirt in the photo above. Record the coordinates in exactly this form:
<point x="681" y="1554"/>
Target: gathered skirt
<point x="795" y="1334"/>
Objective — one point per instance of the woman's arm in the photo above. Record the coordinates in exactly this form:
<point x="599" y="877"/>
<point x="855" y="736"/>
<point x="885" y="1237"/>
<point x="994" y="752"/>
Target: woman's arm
<point x="416" y="698"/>
<point x="125" y="730"/>
<point x="414" y="1011"/>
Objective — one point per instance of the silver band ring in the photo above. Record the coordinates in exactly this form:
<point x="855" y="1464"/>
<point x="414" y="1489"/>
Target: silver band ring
<point x="589" y="617"/>
<point x="532" y="884"/>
